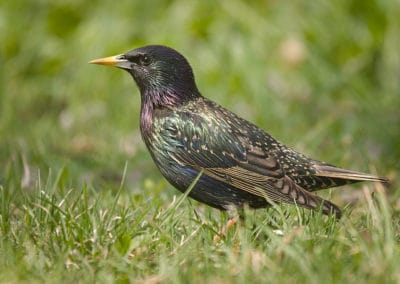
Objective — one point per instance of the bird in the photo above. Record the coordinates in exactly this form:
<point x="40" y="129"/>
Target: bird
<point x="235" y="162"/>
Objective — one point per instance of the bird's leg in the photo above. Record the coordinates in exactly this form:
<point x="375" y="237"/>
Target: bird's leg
<point x="228" y="224"/>
<point x="234" y="215"/>
<point x="222" y="234"/>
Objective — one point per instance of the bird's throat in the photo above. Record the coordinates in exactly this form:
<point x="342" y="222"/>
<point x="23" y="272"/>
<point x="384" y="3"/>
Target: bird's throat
<point x="146" y="120"/>
<point x="169" y="98"/>
<point x="150" y="100"/>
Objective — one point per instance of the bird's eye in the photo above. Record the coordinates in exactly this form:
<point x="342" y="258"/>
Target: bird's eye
<point x="144" y="60"/>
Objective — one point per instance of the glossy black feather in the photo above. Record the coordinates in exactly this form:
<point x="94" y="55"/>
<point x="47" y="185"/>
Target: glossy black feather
<point x="241" y="164"/>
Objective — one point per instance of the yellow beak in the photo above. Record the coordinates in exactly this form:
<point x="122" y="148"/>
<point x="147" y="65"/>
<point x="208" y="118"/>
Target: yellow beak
<point x="112" y="60"/>
<point x="117" y="61"/>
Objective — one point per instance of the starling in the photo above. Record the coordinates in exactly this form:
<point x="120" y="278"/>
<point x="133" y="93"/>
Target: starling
<point x="187" y="134"/>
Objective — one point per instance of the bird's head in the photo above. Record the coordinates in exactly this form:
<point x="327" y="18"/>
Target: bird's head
<point x="156" y="69"/>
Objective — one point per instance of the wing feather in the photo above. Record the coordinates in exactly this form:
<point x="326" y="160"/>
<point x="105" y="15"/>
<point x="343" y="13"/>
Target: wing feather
<point x="233" y="160"/>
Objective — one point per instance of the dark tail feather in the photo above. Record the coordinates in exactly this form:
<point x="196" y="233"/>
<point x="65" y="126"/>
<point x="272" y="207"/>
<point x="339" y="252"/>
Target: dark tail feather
<point x="346" y="175"/>
<point x="309" y="200"/>
<point x="315" y="202"/>
<point x="328" y="208"/>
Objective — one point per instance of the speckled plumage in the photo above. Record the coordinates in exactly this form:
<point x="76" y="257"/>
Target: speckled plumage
<point x="186" y="133"/>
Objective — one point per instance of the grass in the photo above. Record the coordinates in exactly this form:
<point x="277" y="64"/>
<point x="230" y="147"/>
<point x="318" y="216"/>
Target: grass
<point x="80" y="199"/>
<point x="58" y="234"/>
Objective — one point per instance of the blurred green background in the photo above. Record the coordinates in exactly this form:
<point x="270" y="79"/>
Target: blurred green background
<point x="320" y="76"/>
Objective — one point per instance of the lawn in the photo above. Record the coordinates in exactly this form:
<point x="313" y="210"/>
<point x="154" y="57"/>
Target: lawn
<point x="80" y="198"/>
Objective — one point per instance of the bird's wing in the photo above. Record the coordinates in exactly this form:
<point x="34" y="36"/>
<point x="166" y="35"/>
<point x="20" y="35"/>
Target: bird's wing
<point x="232" y="159"/>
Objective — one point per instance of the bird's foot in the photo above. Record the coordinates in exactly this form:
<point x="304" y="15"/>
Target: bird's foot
<point x="224" y="230"/>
